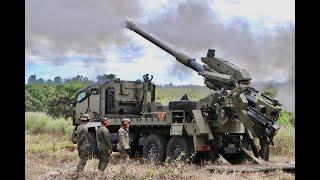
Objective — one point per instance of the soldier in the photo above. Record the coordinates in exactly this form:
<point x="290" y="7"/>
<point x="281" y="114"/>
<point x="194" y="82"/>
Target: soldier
<point x="124" y="139"/>
<point x="82" y="141"/>
<point x="104" y="144"/>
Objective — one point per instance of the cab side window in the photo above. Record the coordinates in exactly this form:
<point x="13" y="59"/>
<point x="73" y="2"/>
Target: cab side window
<point x="81" y="96"/>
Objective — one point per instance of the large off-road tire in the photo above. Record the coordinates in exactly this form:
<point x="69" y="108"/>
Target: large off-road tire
<point x="183" y="105"/>
<point x="154" y="149"/>
<point x="178" y="149"/>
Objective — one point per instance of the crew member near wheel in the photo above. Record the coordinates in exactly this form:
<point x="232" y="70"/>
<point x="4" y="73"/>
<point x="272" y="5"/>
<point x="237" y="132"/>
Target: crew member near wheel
<point x="123" y="145"/>
<point x="104" y="144"/>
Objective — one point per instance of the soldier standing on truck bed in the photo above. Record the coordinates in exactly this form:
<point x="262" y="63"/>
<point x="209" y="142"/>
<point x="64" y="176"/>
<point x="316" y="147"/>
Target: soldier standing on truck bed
<point x="104" y="144"/>
<point x="82" y="141"/>
<point x="123" y="145"/>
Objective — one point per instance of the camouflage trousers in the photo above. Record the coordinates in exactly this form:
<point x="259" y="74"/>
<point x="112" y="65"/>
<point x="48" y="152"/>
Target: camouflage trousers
<point x="122" y="151"/>
<point x="103" y="159"/>
<point x="83" y="154"/>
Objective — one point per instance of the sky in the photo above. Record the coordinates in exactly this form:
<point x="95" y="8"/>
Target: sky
<point x="88" y="38"/>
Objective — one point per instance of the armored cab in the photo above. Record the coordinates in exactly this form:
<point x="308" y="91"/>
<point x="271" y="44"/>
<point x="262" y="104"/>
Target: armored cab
<point x="116" y="97"/>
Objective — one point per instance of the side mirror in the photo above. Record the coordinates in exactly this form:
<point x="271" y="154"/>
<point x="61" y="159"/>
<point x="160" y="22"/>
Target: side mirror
<point x="73" y="103"/>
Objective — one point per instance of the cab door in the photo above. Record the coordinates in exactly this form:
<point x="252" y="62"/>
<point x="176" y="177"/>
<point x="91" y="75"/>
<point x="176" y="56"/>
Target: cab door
<point x="94" y="102"/>
<point x="82" y="102"/>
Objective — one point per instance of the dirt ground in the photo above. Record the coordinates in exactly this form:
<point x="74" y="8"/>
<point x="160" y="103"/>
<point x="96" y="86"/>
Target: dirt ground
<point x="50" y="157"/>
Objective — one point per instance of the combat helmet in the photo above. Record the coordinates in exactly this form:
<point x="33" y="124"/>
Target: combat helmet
<point x="105" y="119"/>
<point x="85" y="117"/>
<point x="125" y="120"/>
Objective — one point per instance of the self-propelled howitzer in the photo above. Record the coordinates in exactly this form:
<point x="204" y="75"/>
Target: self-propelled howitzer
<point x="232" y="98"/>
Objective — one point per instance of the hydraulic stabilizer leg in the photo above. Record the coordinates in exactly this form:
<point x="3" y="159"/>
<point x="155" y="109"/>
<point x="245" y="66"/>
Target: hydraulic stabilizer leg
<point x="252" y="144"/>
<point x="214" y="153"/>
<point x="264" y="151"/>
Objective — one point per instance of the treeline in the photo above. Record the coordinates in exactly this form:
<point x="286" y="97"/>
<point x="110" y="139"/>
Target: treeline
<point x="78" y="79"/>
<point x="55" y="96"/>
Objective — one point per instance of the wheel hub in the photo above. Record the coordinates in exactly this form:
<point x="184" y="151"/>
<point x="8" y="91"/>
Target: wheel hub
<point x="177" y="151"/>
<point x="153" y="153"/>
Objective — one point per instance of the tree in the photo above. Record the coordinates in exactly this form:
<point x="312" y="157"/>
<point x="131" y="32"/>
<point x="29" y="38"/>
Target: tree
<point x="37" y="92"/>
<point x="59" y="105"/>
<point x="32" y="104"/>
<point x="40" y="81"/>
<point x="32" y="79"/>
<point x="105" y="77"/>
<point x="111" y="76"/>
<point x="78" y="78"/>
<point x="49" y="82"/>
<point x="85" y="80"/>
<point x="57" y="80"/>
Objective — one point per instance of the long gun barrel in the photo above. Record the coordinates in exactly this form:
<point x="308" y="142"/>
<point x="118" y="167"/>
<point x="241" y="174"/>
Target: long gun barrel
<point x="181" y="57"/>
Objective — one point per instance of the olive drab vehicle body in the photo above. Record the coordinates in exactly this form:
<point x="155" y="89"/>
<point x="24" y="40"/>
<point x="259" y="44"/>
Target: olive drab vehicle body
<point x="221" y="126"/>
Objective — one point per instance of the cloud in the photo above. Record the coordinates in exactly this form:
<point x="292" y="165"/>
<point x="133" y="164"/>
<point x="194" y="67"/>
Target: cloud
<point x="62" y="27"/>
<point x="192" y="27"/>
<point x="270" y="13"/>
<point x="59" y="30"/>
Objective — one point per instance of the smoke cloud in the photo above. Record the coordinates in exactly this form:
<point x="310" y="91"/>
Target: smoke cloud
<point x="193" y="28"/>
<point x="59" y="28"/>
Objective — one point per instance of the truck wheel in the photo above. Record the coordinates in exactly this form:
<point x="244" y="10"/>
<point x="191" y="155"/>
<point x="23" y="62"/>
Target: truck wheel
<point x="178" y="150"/>
<point x="154" y="148"/>
<point x="183" y="105"/>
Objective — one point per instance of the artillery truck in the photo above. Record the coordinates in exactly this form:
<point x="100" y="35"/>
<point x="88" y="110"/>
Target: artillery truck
<point x="232" y="123"/>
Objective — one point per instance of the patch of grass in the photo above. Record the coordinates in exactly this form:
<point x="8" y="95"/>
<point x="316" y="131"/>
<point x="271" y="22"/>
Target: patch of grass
<point x="44" y="160"/>
<point x="46" y="143"/>
<point x="37" y="122"/>
<point x="284" y="141"/>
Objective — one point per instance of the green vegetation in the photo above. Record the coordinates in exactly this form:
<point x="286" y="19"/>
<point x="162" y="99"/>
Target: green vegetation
<point x="284" y="141"/>
<point x="286" y="118"/>
<point x="47" y="143"/>
<point x="54" y="97"/>
<point x="40" y="123"/>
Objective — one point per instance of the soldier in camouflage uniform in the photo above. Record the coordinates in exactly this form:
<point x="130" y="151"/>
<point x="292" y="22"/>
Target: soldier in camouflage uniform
<point x="82" y="141"/>
<point x="104" y="144"/>
<point x="123" y="145"/>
